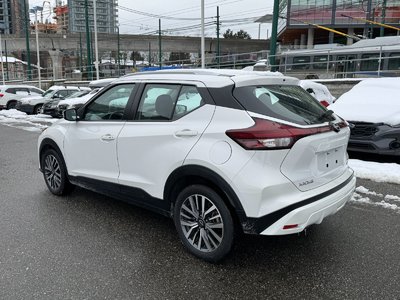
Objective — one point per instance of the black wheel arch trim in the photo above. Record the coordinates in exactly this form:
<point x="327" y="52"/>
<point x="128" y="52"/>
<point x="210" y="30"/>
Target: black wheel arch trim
<point x="52" y="144"/>
<point x="209" y="176"/>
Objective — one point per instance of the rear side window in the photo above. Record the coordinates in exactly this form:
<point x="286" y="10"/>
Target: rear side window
<point x="285" y="102"/>
<point x="10" y="90"/>
<point x="165" y="102"/>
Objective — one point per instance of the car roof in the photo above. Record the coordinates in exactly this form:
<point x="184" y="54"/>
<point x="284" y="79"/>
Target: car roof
<point x="7" y="86"/>
<point x="214" y="77"/>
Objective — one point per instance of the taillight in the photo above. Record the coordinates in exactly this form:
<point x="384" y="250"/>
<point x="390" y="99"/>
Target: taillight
<point x="324" y="103"/>
<point x="1" y="95"/>
<point x="265" y="134"/>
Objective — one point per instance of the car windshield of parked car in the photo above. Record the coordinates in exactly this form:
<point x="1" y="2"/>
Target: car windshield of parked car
<point x="285" y="102"/>
<point x="48" y="93"/>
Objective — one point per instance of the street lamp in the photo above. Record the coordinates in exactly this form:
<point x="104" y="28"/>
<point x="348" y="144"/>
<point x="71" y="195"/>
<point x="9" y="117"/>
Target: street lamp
<point x="35" y="11"/>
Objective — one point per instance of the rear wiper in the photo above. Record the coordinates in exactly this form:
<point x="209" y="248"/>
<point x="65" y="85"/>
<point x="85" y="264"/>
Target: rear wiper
<point x="325" y="115"/>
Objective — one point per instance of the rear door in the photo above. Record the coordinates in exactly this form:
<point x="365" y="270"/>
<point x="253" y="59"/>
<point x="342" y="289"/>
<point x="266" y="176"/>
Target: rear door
<point x="169" y="120"/>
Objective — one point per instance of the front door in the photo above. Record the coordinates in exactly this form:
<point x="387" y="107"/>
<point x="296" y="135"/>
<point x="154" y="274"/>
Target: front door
<point x="91" y="143"/>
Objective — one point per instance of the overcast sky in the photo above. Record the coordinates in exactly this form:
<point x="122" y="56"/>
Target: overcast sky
<point x="234" y="14"/>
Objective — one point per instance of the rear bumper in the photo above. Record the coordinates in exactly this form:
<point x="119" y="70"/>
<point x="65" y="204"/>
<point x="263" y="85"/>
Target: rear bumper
<point x="304" y="213"/>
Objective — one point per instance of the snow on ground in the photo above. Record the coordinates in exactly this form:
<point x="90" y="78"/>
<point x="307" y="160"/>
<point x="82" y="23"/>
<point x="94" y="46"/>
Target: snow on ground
<point x="380" y="199"/>
<point x="35" y="123"/>
<point x="379" y="172"/>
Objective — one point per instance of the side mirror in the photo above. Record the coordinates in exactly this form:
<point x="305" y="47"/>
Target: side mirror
<point x="71" y="115"/>
<point x="310" y="90"/>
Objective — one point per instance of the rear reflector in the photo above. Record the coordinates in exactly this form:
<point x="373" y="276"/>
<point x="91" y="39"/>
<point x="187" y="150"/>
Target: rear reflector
<point x="265" y="134"/>
<point x="324" y="103"/>
<point x="1" y="95"/>
<point x="290" y="226"/>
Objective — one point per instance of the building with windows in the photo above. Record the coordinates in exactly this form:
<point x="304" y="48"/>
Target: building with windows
<point x="106" y="11"/>
<point x="12" y="19"/>
<point x="347" y="16"/>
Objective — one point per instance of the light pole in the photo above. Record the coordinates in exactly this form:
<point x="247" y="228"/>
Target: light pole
<point x="203" y="63"/>
<point x="2" y="65"/>
<point x="35" y="11"/>
<point x="96" y="47"/>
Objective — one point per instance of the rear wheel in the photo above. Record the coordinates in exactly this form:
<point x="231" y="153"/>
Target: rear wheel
<point x="204" y="223"/>
<point x="11" y="104"/>
<point x="37" y="108"/>
<point x="55" y="172"/>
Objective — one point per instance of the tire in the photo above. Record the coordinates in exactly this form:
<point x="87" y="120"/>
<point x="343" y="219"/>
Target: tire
<point x="11" y="104"/>
<point x="208" y="236"/>
<point x="55" y="173"/>
<point x="36" y="109"/>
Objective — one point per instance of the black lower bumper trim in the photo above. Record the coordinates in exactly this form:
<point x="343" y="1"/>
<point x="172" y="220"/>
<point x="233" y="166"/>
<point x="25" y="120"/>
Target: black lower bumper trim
<point x="258" y="225"/>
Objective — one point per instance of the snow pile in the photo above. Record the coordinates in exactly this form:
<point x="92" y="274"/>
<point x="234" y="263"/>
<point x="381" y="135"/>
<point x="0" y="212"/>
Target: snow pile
<point x="379" y="172"/>
<point x="18" y="119"/>
<point x="392" y="197"/>
<point x="365" y="200"/>
<point x="372" y="100"/>
<point x="366" y="191"/>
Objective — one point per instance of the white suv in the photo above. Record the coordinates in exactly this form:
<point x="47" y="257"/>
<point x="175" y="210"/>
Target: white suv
<point x="10" y="94"/>
<point x="211" y="149"/>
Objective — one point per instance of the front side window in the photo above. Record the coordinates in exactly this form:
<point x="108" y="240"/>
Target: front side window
<point x="110" y="105"/>
<point x="285" y="102"/>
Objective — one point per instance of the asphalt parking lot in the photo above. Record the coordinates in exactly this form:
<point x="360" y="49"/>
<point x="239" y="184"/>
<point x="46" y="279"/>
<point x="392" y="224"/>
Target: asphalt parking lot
<point x="87" y="246"/>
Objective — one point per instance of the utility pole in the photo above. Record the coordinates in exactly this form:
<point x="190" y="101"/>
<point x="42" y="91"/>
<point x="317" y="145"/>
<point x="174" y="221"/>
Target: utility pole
<point x="274" y="35"/>
<point x="35" y="10"/>
<point x="80" y="51"/>
<point x="149" y="54"/>
<point x="5" y="49"/>
<point x="159" y="43"/>
<point x="203" y="63"/>
<point x="382" y="32"/>
<point x="218" y="45"/>
<point x="89" y="57"/>
<point x="28" y="59"/>
<point x="96" y="47"/>
<point x="118" y="55"/>
<point x="2" y="65"/>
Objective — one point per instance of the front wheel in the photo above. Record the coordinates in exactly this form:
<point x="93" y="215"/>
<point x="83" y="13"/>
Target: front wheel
<point x="204" y="223"/>
<point x="55" y="173"/>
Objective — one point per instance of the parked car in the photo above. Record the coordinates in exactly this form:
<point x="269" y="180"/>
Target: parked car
<point x="51" y="107"/>
<point x="10" y="94"/>
<point x="71" y="102"/>
<point x="372" y="107"/>
<point x="318" y="91"/>
<point x="216" y="153"/>
<point x="33" y="104"/>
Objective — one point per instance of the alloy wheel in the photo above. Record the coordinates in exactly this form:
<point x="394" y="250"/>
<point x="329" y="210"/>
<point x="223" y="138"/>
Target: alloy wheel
<point x="201" y="223"/>
<point x="52" y="172"/>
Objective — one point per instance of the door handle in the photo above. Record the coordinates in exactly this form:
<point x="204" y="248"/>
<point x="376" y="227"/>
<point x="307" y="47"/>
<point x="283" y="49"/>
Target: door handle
<point x="186" y="133"/>
<point x="107" y="138"/>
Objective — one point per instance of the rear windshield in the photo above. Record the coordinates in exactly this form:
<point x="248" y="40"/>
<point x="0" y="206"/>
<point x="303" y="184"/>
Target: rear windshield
<point x="285" y="102"/>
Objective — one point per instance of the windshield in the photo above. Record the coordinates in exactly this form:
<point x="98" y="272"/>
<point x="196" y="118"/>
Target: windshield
<point x="285" y="102"/>
<point x="48" y="93"/>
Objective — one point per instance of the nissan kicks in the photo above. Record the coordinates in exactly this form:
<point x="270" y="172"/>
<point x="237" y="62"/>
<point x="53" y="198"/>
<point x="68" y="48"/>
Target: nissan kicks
<point x="217" y="151"/>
